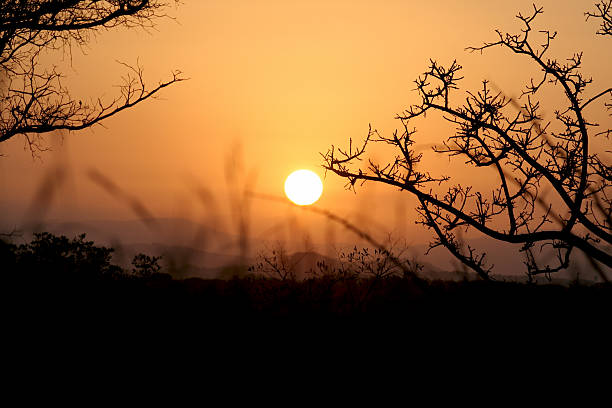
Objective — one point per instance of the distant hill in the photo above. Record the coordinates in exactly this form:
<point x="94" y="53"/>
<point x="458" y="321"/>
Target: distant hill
<point x="170" y="231"/>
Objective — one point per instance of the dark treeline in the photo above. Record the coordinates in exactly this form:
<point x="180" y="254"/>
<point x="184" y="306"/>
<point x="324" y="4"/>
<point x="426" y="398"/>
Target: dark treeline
<point x="53" y="277"/>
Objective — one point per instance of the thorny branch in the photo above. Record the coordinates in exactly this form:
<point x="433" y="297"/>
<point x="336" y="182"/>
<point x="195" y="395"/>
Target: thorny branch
<point x="34" y="100"/>
<point x="603" y="10"/>
<point x="528" y="156"/>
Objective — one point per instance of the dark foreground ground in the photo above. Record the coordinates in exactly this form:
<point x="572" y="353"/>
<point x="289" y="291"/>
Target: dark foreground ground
<point x="162" y="298"/>
<point x="435" y="323"/>
<point x="65" y="308"/>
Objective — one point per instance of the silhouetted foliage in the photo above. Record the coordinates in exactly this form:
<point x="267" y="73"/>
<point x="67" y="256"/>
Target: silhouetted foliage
<point x="53" y="256"/>
<point x="528" y="156"/>
<point x="276" y="265"/>
<point x="145" y="266"/>
<point x="34" y="100"/>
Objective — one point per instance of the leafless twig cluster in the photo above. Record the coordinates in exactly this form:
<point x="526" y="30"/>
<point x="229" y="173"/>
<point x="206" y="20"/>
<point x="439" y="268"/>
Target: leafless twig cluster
<point x="33" y="99"/>
<point x="603" y="11"/>
<point x="527" y="157"/>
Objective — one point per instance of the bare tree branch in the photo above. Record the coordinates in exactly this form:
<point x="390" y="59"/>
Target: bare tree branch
<point x="603" y="10"/>
<point x="34" y="101"/>
<point x="528" y="157"/>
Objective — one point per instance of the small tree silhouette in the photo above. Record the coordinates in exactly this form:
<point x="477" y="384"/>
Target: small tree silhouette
<point x="527" y="155"/>
<point x="33" y="100"/>
<point x="145" y="266"/>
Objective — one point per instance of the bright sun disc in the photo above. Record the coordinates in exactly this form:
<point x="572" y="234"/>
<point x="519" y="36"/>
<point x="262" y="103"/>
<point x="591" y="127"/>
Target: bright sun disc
<point x="303" y="187"/>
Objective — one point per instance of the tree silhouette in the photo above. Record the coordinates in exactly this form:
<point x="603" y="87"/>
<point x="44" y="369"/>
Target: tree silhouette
<point x="33" y="99"/>
<point x="528" y="156"/>
<point x="51" y="257"/>
<point x="145" y="266"/>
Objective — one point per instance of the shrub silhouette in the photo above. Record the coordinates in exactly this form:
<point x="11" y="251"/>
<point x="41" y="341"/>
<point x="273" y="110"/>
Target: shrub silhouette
<point x="145" y="266"/>
<point x="51" y="255"/>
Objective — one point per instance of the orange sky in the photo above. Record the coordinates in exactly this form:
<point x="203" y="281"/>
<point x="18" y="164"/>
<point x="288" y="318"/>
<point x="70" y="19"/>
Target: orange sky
<point x="279" y="81"/>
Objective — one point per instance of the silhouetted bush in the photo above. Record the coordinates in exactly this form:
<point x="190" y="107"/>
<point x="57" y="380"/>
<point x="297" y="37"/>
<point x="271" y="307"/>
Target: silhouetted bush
<point x="146" y="266"/>
<point x="55" y="256"/>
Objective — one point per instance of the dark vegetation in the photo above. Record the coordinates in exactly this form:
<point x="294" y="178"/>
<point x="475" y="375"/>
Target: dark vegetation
<point x="53" y="277"/>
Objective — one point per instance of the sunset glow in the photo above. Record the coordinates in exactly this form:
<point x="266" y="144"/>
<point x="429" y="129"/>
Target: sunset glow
<point x="464" y="146"/>
<point x="272" y="87"/>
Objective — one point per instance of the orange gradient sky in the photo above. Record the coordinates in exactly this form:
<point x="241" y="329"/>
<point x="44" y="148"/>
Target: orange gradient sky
<point x="273" y="84"/>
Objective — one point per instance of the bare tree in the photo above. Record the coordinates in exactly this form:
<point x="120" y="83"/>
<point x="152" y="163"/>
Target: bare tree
<point x="528" y="156"/>
<point x="33" y="99"/>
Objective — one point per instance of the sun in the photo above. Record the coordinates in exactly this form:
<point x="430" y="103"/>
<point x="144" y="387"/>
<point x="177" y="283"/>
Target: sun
<point x="303" y="187"/>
